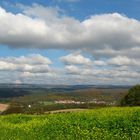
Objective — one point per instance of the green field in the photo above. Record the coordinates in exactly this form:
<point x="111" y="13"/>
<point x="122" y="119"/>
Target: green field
<point x="98" y="124"/>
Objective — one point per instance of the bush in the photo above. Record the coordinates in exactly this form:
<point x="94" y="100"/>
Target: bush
<point x="133" y="97"/>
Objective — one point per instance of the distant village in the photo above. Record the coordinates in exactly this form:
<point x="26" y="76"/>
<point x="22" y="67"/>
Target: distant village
<point x="79" y="102"/>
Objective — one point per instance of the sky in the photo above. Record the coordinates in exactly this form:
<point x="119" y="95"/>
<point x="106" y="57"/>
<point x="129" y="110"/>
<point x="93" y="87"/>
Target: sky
<point x="70" y="42"/>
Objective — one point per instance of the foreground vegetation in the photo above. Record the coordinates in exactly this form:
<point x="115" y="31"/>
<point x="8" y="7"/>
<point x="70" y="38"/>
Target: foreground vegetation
<point x="98" y="124"/>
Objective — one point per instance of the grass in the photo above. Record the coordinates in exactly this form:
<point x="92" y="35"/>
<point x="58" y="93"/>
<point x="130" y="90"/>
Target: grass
<point x="98" y="124"/>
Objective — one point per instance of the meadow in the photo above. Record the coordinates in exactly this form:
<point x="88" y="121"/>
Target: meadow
<point x="114" y="123"/>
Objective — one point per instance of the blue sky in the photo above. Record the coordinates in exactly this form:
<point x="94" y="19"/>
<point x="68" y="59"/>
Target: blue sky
<point x="72" y="59"/>
<point x="84" y="8"/>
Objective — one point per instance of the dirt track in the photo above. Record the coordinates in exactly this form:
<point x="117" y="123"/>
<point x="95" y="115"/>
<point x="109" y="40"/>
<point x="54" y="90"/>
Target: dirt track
<point x="3" y="107"/>
<point x="65" y="111"/>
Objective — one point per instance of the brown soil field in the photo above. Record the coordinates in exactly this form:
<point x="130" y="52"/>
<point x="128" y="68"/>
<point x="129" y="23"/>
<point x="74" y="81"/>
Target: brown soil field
<point x="3" y="107"/>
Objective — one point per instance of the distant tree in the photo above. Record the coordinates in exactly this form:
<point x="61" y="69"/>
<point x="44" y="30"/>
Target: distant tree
<point x="133" y="97"/>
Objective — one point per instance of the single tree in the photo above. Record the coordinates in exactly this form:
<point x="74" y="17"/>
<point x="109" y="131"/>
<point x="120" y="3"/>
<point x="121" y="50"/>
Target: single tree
<point x="133" y="97"/>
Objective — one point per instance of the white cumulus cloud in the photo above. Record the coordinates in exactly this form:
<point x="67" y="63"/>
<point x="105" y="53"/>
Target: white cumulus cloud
<point x="75" y="58"/>
<point x="48" y="27"/>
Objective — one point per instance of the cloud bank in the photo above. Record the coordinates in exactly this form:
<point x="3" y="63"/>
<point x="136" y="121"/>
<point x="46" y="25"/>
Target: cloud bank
<point x="112" y="39"/>
<point x="78" y="69"/>
<point x="47" y="27"/>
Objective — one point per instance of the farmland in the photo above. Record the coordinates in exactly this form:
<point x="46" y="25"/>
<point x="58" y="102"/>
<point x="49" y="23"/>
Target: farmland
<point x="112" y="123"/>
<point x="3" y="107"/>
<point x="37" y="99"/>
